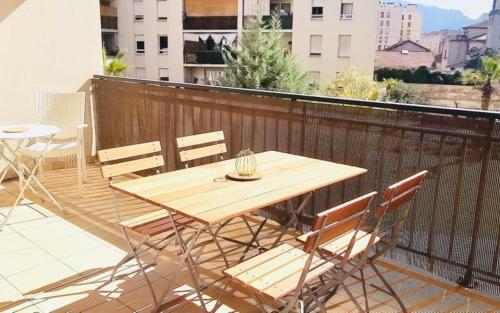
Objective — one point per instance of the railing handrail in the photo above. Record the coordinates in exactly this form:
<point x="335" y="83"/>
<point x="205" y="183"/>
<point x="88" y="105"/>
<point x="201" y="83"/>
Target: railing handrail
<point x="490" y="115"/>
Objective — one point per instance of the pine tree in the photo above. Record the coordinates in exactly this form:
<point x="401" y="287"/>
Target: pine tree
<point x="260" y="61"/>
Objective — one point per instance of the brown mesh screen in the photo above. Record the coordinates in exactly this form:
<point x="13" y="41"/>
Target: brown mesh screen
<point x="448" y="233"/>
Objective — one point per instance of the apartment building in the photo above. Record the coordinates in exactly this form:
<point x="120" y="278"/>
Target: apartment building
<point x="493" y="38"/>
<point x="182" y="40"/>
<point x="397" y="22"/>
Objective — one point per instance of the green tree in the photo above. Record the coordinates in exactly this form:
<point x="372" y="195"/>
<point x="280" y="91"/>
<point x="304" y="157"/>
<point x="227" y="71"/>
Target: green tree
<point x="260" y="61"/>
<point x="114" y="65"/>
<point x="483" y="79"/>
<point x="350" y="84"/>
<point x="400" y="92"/>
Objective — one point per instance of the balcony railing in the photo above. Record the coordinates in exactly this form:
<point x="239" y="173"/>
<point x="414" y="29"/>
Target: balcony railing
<point x="452" y="231"/>
<point x="210" y="22"/>
<point x="203" y="57"/>
<point x="109" y="22"/>
<point x="108" y="11"/>
<point x="286" y="21"/>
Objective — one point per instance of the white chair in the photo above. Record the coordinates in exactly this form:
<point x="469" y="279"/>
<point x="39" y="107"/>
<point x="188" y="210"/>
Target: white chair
<point x="66" y="111"/>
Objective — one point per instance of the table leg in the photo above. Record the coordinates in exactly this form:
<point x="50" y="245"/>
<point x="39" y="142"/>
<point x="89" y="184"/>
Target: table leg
<point x="32" y="173"/>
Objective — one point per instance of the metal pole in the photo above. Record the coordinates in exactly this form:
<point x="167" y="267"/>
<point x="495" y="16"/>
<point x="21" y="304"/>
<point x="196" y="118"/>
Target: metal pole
<point x="468" y="279"/>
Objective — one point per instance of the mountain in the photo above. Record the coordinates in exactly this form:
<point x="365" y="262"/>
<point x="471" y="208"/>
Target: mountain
<point x="435" y="18"/>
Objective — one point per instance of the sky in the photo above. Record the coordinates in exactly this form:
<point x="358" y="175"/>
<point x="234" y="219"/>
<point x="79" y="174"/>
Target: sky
<point x="470" y="8"/>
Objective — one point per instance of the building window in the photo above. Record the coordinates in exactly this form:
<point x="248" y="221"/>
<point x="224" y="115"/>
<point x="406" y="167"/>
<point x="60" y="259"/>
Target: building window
<point x="379" y="47"/>
<point x="388" y="14"/>
<point x="409" y="24"/>
<point x="386" y="39"/>
<point x="315" y="45"/>
<point x="346" y="10"/>
<point x="408" y="32"/>
<point x="163" y="44"/>
<point x="380" y="39"/>
<point x="382" y="14"/>
<point x="317" y="8"/>
<point x="314" y="78"/>
<point x="138" y="10"/>
<point x="282" y="8"/>
<point x="381" y="23"/>
<point x="162" y="9"/>
<point x="140" y="72"/>
<point x="409" y="17"/>
<point x="402" y="17"/>
<point x="344" y="46"/>
<point x="139" y="44"/>
<point x="387" y="23"/>
<point x="401" y="34"/>
<point x="163" y="74"/>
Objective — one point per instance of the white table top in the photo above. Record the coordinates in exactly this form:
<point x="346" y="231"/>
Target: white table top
<point x="33" y="131"/>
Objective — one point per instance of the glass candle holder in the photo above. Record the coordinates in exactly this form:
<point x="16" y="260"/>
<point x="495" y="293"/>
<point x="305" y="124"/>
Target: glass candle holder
<point x="246" y="164"/>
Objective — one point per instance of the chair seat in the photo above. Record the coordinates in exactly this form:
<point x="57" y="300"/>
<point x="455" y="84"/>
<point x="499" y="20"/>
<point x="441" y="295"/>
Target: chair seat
<point x="276" y="273"/>
<point x="154" y="223"/>
<point x="53" y="150"/>
<point x="337" y="246"/>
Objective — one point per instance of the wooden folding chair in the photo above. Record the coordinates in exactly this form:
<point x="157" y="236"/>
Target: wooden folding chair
<point x="201" y="146"/>
<point x="390" y="217"/>
<point x="288" y="278"/>
<point x="147" y="225"/>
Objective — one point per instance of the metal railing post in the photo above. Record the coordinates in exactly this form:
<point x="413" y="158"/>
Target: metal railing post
<point x="468" y="279"/>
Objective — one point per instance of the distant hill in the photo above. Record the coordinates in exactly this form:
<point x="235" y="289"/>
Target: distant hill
<point x="434" y="18"/>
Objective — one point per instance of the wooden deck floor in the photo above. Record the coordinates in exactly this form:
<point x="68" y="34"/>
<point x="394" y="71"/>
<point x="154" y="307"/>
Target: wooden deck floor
<point x="54" y="262"/>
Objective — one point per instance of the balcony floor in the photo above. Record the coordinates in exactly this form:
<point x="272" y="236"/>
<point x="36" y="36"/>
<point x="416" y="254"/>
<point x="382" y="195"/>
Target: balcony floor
<point x="51" y="261"/>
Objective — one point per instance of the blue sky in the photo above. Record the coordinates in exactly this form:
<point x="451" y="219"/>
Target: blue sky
<point x="470" y="8"/>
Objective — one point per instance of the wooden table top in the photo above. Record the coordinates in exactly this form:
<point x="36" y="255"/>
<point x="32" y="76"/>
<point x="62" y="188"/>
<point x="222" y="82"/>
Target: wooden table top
<point x="202" y="193"/>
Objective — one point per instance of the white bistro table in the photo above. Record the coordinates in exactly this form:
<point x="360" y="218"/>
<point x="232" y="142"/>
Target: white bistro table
<point x="12" y="138"/>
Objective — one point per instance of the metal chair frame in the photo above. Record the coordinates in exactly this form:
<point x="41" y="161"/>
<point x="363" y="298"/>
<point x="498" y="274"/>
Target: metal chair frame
<point x="136" y="250"/>
<point x="397" y="196"/>
<point x="326" y="230"/>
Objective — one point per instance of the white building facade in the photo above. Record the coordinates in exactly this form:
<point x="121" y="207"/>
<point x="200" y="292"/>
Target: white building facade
<point x="493" y="38"/>
<point x="396" y="23"/>
<point x="181" y="40"/>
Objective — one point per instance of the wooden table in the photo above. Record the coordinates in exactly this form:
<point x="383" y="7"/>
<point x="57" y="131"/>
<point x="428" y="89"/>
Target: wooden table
<point x="204" y="195"/>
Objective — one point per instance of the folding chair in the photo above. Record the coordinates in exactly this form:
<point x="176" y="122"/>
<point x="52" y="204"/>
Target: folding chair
<point x="147" y="225"/>
<point x="202" y="146"/>
<point x="287" y="278"/>
<point x="395" y="207"/>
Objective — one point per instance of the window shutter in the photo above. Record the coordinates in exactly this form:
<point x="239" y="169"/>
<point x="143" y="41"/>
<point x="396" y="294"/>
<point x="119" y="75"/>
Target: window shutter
<point x="344" y="46"/>
<point x="162" y="9"/>
<point x="138" y="10"/>
<point x="317" y="3"/>
<point x="316" y="42"/>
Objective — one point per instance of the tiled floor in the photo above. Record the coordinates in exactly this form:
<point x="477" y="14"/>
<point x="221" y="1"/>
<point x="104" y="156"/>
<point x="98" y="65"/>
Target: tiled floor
<point x="54" y="262"/>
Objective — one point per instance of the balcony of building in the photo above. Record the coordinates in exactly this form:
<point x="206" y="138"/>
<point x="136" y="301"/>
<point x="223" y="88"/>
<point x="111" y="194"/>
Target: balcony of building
<point x="210" y="15"/>
<point x="55" y="262"/>
<point x="265" y="8"/>
<point x="206" y="48"/>
<point x="109" y="16"/>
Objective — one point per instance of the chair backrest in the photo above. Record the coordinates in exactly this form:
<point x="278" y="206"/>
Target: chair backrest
<point x="64" y="110"/>
<point x="398" y="197"/>
<point x="335" y="222"/>
<point x="113" y="168"/>
<point x="201" y="146"/>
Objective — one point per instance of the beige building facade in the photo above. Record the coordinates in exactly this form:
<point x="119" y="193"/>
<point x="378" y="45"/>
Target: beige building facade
<point x="182" y="40"/>
<point x="47" y="51"/>
<point x="397" y="22"/>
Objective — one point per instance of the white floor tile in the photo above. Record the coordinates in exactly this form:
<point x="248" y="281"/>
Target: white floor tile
<point x="8" y="293"/>
<point x="42" y="277"/>
<point x="22" y="260"/>
<point x="94" y="259"/>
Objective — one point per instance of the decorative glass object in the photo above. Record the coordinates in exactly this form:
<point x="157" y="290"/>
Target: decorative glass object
<point x="246" y="164"/>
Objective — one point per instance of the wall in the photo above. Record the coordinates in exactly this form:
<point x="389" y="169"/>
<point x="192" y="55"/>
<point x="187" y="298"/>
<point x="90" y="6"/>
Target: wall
<point x="362" y="28"/>
<point x="465" y="97"/>
<point x="48" y="45"/>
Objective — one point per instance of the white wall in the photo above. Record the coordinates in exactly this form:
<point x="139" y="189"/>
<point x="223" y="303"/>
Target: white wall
<point x="49" y="45"/>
